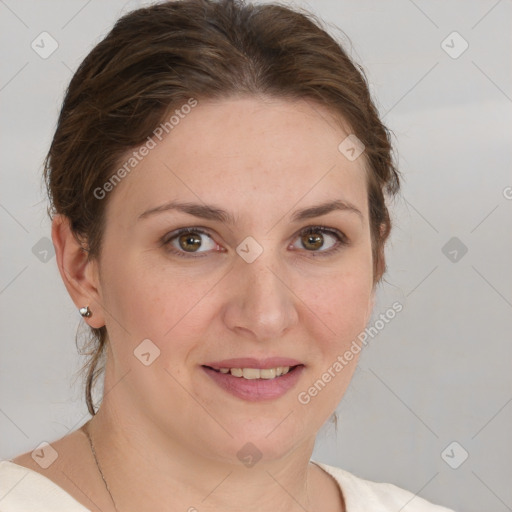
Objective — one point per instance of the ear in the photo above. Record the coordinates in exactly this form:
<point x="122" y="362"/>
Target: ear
<point x="80" y="275"/>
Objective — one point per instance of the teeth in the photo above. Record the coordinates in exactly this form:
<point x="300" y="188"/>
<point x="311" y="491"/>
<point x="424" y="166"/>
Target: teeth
<point x="256" y="373"/>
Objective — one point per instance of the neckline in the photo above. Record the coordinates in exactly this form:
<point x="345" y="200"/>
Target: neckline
<point x="61" y="493"/>
<point x="327" y="469"/>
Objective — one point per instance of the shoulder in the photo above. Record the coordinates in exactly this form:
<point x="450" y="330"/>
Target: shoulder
<point x="52" y="477"/>
<point x="22" y="489"/>
<point x="362" y="495"/>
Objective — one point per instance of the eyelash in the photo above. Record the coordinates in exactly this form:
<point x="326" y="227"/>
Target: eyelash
<point x="342" y="240"/>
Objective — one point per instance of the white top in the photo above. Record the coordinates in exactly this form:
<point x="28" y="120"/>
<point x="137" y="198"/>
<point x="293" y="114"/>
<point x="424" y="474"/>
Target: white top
<point x="25" y="490"/>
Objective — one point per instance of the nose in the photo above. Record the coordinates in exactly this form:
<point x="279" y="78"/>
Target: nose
<point x="261" y="302"/>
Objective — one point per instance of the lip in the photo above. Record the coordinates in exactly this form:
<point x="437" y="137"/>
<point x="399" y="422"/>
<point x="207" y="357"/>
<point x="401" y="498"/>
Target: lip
<point x="251" y="362"/>
<point x="253" y="390"/>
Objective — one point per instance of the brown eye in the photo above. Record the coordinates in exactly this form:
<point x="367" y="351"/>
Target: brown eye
<point x="189" y="242"/>
<point x="320" y="241"/>
<point x="312" y="242"/>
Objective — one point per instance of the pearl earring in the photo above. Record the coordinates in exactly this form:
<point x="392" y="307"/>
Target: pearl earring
<point x="85" y="311"/>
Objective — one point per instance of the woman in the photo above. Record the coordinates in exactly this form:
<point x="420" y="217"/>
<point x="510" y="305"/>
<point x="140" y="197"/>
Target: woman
<point x="217" y="180"/>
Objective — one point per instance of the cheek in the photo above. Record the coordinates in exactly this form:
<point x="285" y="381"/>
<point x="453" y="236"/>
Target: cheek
<point x="154" y="301"/>
<point x="341" y="303"/>
<point x="345" y="306"/>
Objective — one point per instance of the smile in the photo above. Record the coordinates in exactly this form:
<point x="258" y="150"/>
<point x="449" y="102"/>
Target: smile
<point x="254" y="384"/>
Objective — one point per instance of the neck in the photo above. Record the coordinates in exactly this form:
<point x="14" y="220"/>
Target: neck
<point x="147" y="469"/>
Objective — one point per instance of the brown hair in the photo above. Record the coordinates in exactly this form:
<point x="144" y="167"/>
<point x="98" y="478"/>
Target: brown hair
<point x="156" y="58"/>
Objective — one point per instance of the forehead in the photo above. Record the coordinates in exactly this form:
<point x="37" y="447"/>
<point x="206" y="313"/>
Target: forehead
<point x="254" y="154"/>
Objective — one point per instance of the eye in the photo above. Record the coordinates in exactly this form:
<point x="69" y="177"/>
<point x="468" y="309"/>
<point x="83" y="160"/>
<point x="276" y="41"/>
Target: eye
<point x="319" y="239"/>
<point x="189" y="240"/>
<point x="195" y="242"/>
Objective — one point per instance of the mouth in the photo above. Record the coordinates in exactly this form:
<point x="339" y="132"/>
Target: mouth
<point x="255" y="384"/>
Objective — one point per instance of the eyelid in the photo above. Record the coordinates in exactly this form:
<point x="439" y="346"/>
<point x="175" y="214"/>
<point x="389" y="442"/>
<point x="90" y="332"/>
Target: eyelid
<point x="324" y="229"/>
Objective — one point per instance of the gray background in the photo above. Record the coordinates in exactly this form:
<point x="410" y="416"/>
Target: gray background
<point x="440" y="371"/>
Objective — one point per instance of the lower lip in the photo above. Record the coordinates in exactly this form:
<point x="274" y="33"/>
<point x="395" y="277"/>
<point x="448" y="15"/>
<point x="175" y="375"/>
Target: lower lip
<point x="254" y="390"/>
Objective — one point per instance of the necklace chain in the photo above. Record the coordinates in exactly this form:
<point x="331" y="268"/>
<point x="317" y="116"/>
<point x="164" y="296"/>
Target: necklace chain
<point x="85" y="428"/>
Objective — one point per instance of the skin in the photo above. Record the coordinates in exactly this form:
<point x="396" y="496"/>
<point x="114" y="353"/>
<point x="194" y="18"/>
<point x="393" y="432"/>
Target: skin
<point x="167" y="426"/>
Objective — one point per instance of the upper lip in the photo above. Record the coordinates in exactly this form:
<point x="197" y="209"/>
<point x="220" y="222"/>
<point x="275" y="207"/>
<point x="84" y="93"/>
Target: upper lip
<point x="251" y="362"/>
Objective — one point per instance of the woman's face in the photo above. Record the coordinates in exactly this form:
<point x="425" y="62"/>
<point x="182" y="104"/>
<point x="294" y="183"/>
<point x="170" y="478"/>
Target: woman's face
<point x="245" y="286"/>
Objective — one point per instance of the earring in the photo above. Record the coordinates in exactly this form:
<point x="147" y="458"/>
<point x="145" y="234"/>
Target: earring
<point x="85" y="311"/>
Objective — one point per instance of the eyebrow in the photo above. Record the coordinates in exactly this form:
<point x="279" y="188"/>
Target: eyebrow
<point x="211" y="212"/>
